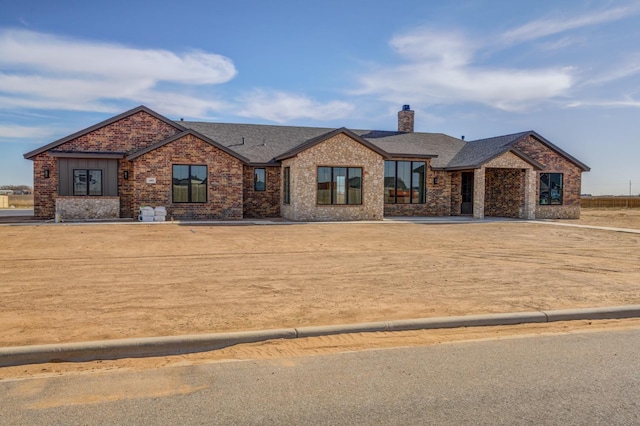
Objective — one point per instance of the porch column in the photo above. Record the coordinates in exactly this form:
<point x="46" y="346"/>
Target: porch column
<point x="478" y="193"/>
<point x="529" y="194"/>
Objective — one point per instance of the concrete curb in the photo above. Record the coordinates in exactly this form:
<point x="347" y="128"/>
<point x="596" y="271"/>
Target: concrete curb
<point x="175" y="345"/>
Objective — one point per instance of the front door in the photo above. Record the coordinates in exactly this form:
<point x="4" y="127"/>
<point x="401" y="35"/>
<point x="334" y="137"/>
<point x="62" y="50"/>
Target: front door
<point x="467" y="193"/>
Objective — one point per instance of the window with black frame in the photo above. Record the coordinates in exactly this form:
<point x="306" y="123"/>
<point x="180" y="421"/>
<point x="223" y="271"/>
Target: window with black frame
<point x="87" y="182"/>
<point x="339" y="185"/>
<point x="404" y="182"/>
<point x="259" y="179"/>
<point x="189" y="183"/>
<point x="551" y="188"/>
<point x="287" y="186"/>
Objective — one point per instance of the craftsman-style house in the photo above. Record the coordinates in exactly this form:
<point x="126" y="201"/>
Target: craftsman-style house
<point x="204" y="171"/>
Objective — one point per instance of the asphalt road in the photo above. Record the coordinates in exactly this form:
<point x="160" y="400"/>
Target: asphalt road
<point x="588" y="378"/>
<point x="16" y="212"/>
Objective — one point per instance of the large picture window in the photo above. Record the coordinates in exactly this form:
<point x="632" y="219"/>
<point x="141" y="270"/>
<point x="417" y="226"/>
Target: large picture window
<point x="551" y="185"/>
<point x="339" y="185"/>
<point x="404" y="182"/>
<point x="259" y="179"/>
<point x="87" y="182"/>
<point x="189" y="184"/>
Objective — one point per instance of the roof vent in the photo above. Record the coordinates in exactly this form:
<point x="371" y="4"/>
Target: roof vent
<point x="406" y="108"/>
<point x="462" y="137"/>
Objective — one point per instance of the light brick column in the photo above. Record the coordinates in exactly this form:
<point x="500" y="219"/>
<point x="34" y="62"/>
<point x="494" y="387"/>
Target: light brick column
<point x="530" y="198"/>
<point x="478" y="193"/>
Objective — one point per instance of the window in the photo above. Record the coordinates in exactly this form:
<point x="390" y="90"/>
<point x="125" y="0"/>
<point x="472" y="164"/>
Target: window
<point x="551" y="188"/>
<point x="404" y="182"/>
<point x="189" y="184"/>
<point x="87" y="182"/>
<point x="287" y="185"/>
<point x="259" y="179"/>
<point x="339" y="185"/>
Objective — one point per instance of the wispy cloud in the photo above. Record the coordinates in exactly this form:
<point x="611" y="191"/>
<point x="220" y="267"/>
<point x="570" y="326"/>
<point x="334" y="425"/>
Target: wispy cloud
<point x="626" y="102"/>
<point x="440" y="68"/>
<point x="10" y="131"/>
<point x="628" y="68"/>
<point x="44" y="71"/>
<point x="546" y="27"/>
<point x="281" y="107"/>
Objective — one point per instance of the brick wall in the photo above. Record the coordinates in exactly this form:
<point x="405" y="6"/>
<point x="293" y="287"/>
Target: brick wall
<point x="45" y="190"/>
<point x="505" y="186"/>
<point x="555" y="163"/>
<point x="265" y="203"/>
<point x="126" y="135"/>
<point x="504" y="192"/>
<point x="225" y="180"/>
<point x="438" y="197"/>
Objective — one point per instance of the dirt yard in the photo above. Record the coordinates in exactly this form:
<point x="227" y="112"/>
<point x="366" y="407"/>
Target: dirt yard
<point x="68" y="283"/>
<point x="617" y="218"/>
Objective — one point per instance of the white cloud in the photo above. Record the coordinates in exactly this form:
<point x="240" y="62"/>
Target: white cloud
<point x="45" y="71"/>
<point x="615" y="103"/>
<point x="545" y="27"/>
<point x="282" y="107"/>
<point x="10" y="131"/>
<point x="428" y="46"/>
<point x="630" y="67"/>
<point x="440" y="69"/>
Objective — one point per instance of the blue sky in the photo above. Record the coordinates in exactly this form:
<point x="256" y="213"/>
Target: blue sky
<point x="569" y="70"/>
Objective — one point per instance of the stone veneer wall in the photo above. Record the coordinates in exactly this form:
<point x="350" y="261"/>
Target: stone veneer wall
<point x="554" y="163"/>
<point x="74" y="208"/>
<point x="126" y="135"/>
<point x="455" y="179"/>
<point x="225" y="180"/>
<point x="338" y="151"/>
<point x="265" y="203"/>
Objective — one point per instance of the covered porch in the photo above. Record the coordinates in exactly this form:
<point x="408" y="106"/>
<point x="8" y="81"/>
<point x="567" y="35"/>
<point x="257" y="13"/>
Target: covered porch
<point x="504" y="186"/>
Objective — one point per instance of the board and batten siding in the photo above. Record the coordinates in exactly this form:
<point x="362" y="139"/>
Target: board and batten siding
<point x="109" y="168"/>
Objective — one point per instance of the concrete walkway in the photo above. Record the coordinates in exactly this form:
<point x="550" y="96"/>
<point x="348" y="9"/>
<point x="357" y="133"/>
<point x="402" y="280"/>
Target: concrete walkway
<point x="174" y="345"/>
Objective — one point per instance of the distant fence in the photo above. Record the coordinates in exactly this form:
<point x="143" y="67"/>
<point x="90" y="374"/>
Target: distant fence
<point x="610" y="202"/>
<point x="20" y="201"/>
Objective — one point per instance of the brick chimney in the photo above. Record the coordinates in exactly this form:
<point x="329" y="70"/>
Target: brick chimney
<point x="405" y="119"/>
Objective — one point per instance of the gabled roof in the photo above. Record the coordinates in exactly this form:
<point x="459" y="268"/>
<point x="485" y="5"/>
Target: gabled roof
<point x="181" y="135"/>
<point x="478" y="152"/>
<point x="314" y="141"/>
<point x="264" y="145"/>
<point x="440" y="147"/>
<point x="104" y="123"/>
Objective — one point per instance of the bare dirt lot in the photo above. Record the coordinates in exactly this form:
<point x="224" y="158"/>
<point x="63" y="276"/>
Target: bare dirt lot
<point x="67" y="283"/>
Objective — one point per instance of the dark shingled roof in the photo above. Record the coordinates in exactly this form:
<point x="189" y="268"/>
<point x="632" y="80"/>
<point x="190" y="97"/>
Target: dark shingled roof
<point x="263" y="143"/>
<point x="260" y="144"/>
<point x="475" y="153"/>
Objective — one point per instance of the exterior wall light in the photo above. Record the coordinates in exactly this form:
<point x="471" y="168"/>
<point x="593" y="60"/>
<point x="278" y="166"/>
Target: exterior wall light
<point x="125" y="175"/>
<point x="435" y="180"/>
<point x="46" y="173"/>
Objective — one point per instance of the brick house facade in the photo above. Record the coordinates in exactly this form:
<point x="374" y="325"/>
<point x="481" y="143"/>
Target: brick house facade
<point x="205" y="171"/>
